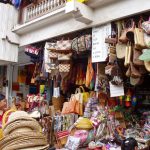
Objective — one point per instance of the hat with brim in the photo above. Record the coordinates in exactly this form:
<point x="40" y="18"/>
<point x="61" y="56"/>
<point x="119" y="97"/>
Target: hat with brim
<point x="23" y="140"/>
<point x="146" y="58"/>
<point x="21" y="126"/>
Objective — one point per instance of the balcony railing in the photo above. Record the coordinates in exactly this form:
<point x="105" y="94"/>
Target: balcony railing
<point x="42" y="7"/>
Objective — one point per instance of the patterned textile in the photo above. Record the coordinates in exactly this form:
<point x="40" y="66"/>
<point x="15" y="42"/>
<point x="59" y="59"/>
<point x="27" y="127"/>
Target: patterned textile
<point x="90" y="107"/>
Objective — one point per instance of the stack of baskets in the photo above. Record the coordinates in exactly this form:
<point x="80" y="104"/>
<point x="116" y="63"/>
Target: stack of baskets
<point x="22" y="132"/>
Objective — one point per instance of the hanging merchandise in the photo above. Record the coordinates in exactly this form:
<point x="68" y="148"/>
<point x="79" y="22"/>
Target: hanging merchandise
<point x="42" y="89"/>
<point x="115" y="74"/>
<point x="147" y="40"/>
<point x="120" y="50"/>
<point x="90" y="106"/>
<point x="36" y="54"/>
<point x="64" y="56"/>
<point x="127" y="34"/>
<point x="146" y="58"/>
<point x="89" y="72"/>
<point x="128" y="54"/>
<point x="146" y="26"/>
<point x="72" y="106"/>
<point x="82" y="43"/>
<point x="139" y="36"/>
<point x="49" y="53"/>
<point x="63" y="45"/>
<point x="136" y="60"/>
<point x="32" y="51"/>
<point x="64" y="67"/>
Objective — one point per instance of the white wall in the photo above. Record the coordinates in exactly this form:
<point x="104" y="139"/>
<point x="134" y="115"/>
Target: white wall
<point x="8" y="39"/>
<point x="65" y="23"/>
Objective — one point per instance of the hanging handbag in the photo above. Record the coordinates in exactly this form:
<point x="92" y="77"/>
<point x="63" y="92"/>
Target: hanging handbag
<point x="130" y="32"/>
<point x="128" y="54"/>
<point x="63" y="56"/>
<point x="71" y="107"/>
<point x="82" y="43"/>
<point x="139" y="36"/>
<point x="120" y="50"/>
<point x="51" y="45"/>
<point x="136" y="60"/>
<point x="146" y="26"/>
<point x="63" y="45"/>
<point x="110" y="40"/>
<point x="134" y="71"/>
<point x="147" y="40"/>
<point x="123" y="37"/>
<point x="64" y="67"/>
<point x="53" y="55"/>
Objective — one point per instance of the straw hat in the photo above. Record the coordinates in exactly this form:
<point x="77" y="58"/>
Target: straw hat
<point x="18" y="114"/>
<point x="21" y="126"/>
<point x="37" y="148"/>
<point x="23" y="140"/>
<point x="146" y="58"/>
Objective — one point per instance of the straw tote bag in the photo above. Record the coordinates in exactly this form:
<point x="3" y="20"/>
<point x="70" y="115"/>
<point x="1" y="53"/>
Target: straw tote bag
<point x="139" y="36"/>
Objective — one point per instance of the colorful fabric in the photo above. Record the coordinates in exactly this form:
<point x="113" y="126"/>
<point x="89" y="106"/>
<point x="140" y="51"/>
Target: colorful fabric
<point x="90" y="107"/>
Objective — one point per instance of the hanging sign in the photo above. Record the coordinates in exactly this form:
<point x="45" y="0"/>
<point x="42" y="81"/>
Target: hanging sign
<point x="99" y="47"/>
<point x="115" y="90"/>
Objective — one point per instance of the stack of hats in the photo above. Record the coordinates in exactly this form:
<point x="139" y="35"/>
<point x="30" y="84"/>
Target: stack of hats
<point x="22" y="132"/>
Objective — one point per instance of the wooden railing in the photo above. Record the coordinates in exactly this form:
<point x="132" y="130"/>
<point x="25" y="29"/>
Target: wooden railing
<point x="41" y="8"/>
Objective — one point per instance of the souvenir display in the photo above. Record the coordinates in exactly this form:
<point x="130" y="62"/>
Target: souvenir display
<point x="81" y="104"/>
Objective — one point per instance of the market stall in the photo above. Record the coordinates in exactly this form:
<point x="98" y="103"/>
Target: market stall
<point x="91" y="89"/>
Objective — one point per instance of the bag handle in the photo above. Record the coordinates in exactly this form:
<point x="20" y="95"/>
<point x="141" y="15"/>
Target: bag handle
<point x="140" y="22"/>
<point x="83" y="90"/>
<point x="129" y="24"/>
<point x="78" y="90"/>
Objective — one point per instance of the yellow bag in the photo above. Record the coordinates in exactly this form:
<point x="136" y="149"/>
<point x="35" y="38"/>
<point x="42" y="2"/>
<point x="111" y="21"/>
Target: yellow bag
<point x="84" y="123"/>
<point x="85" y="96"/>
<point x="82" y="98"/>
<point x="1" y="134"/>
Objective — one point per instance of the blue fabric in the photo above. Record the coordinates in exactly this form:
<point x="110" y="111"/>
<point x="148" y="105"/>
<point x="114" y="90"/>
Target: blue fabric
<point x="16" y="3"/>
<point x="2" y="97"/>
